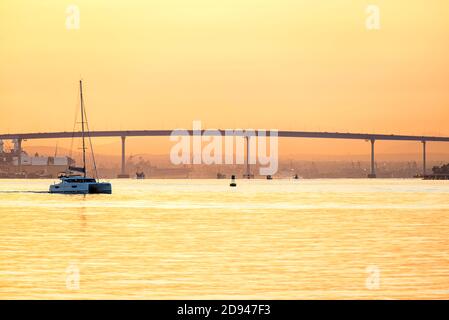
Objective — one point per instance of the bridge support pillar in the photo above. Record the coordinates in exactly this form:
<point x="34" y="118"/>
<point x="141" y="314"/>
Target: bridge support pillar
<point x="373" y="164"/>
<point x="19" y="155"/>
<point x="247" y="175"/>
<point x="424" y="169"/>
<point x="123" y="174"/>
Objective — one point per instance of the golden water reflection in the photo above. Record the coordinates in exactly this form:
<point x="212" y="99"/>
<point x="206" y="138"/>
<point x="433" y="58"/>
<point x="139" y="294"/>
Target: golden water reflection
<point x="201" y="239"/>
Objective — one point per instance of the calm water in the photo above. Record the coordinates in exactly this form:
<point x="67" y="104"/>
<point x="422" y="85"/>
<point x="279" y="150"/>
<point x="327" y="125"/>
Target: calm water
<point x="202" y="239"/>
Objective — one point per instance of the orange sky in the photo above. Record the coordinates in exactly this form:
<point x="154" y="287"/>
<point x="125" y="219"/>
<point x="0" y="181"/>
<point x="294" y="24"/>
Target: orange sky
<point x="284" y="64"/>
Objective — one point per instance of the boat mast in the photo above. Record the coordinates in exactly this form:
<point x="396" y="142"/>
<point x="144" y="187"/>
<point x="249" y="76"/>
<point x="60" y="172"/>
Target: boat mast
<point x="82" y="127"/>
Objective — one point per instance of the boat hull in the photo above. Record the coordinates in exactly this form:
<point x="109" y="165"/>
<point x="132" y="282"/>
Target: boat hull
<point x="104" y="187"/>
<point x="82" y="188"/>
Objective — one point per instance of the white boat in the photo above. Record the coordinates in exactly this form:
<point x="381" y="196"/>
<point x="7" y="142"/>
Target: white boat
<point x="77" y="184"/>
<point x="80" y="183"/>
<point x="140" y="175"/>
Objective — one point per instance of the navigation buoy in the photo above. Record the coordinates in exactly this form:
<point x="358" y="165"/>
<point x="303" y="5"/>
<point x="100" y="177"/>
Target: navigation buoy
<point x="233" y="183"/>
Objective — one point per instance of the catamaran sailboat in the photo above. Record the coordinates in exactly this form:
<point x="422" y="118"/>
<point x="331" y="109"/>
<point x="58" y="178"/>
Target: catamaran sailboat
<point x="80" y="183"/>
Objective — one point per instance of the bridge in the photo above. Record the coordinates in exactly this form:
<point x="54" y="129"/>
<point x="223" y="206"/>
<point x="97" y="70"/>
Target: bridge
<point x="123" y="134"/>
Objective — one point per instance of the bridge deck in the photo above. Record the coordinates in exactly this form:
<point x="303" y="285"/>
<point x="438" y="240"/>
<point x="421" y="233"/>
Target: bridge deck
<point x="162" y="133"/>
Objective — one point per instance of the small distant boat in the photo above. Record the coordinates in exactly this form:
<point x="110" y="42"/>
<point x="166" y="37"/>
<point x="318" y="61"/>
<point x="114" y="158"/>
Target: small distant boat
<point x="13" y="175"/>
<point x="233" y="183"/>
<point x="39" y="175"/>
<point x="221" y="176"/>
<point x="81" y="183"/>
<point x="140" y="175"/>
<point x="296" y="177"/>
<point x="269" y="177"/>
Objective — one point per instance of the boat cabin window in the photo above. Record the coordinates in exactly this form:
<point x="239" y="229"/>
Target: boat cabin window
<point x="88" y="180"/>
